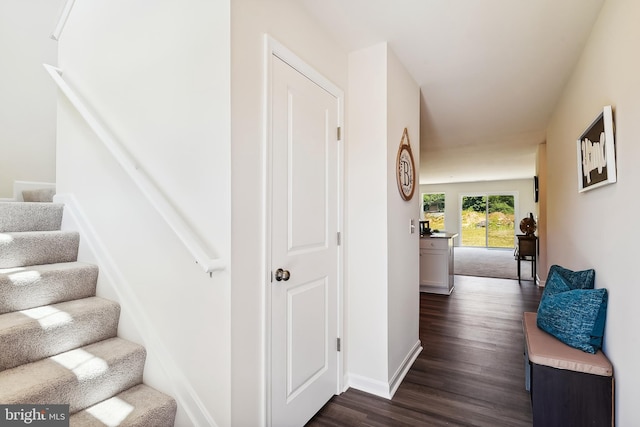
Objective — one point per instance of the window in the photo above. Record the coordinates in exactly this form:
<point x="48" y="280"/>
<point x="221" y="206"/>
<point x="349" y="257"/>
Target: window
<point x="488" y="220"/>
<point x="433" y="210"/>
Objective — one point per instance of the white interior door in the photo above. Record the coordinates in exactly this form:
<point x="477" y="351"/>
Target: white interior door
<point x="304" y="253"/>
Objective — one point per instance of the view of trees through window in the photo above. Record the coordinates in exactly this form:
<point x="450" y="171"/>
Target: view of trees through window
<point x="488" y="221"/>
<point x="433" y="210"/>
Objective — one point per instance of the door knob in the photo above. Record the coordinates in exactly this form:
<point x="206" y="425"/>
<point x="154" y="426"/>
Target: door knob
<point x="282" y="275"/>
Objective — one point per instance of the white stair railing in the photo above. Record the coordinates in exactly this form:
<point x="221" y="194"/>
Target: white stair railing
<point x="62" y="19"/>
<point x="184" y="232"/>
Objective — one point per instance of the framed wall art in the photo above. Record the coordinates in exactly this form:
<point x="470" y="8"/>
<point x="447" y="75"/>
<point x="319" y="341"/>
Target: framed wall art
<point x="596" y="153"/>
<point x="405" y="168"/>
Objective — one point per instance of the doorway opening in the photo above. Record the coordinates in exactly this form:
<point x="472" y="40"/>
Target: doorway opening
<point x="487" y="220"/>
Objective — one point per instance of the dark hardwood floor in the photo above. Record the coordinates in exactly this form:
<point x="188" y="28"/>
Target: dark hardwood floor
<point x="471" y="371"/>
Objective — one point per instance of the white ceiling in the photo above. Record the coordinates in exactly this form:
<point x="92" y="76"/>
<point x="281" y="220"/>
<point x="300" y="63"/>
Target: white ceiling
<point x="490" y="72"/>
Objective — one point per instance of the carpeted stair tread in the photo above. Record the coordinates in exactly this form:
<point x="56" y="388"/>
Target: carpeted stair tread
<point x="40" y="332"/>
<point x="80" y="377"/>
<point x="34" y="216"/>
<point x="34" y="286"/>
<point x="58" y="341"/>
<point x="38" y="247"/>
<point x="140" y="406"/>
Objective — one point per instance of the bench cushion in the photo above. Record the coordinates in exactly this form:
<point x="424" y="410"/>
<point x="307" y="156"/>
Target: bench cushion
<point x="544" y="349"/>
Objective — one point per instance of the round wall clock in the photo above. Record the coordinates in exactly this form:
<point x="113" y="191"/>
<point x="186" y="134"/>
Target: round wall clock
<point x="405" y="168"/>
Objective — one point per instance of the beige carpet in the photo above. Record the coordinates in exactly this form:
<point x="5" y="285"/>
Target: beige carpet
<point x="481" y="262"/>
<point x="58" y="340"/>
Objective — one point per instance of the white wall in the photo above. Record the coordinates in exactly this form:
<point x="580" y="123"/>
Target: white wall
<point x="403" y="249"/>
<point x="383" y="257"/>
<point x="541" y="172"/>
<point x="595" y="229"/>
<point x="367" y="221"/>
<point x="27" y="95"/>
<point x="289" y="23"/>
<point x="522" y="187"/>
<point x="159" y="77"/>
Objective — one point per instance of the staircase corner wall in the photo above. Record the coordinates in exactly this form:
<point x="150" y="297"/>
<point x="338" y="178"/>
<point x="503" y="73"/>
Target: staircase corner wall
<point x="162" y="371"/>
<point x="27" y="104"/>
<point x="160" y="84"/>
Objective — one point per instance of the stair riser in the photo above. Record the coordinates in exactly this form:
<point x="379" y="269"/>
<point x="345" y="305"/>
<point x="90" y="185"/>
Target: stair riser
<point x="42" y="285"/>
<point x="55" y="329"/>
<point x="30" y="216"/>
<point x="97" y="375"/>
<point x="49" y="247"/>
<point x="150" y="409"/>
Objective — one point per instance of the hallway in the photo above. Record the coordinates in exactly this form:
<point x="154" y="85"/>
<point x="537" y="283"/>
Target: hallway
<point x="470" y="371"/>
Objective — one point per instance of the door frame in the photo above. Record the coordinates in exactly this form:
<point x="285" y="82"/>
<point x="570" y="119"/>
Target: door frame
<point x="273" y="48"/>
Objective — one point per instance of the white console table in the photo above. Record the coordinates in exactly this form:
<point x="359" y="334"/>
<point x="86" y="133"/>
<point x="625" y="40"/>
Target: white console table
<point x="436" y="263"/>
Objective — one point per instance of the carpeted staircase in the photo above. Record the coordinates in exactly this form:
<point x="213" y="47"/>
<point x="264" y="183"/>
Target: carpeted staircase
<point x="58" y="341"/>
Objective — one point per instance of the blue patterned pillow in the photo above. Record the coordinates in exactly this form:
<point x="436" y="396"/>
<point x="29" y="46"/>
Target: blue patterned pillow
<point x="574" y="316"/>
<point x="584" y="279"/>
<point x="556" y="283"/>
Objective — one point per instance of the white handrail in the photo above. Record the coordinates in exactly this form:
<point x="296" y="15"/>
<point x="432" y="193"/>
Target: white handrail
<point x="148" y="188"/>
<point x="62" y="19"/>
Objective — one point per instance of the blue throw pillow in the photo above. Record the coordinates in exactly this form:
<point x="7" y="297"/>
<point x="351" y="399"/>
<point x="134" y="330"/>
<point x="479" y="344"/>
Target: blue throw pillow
<point x="584" y="279"/>
<point x="574" y="316"/>
<point x="556" y="283"/>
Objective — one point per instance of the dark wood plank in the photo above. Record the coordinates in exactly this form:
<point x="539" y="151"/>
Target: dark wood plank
<point x="471" y="371"/>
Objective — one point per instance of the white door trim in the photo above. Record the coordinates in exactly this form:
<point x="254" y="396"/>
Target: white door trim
<point x="274" y="48"/>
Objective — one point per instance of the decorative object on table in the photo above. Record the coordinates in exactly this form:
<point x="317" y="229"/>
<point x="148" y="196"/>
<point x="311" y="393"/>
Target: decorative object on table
<point x="425" y="230"/>
<point x="405" y="168"/>
<point x="596" y="153"/>
<point x="528" y="225"/>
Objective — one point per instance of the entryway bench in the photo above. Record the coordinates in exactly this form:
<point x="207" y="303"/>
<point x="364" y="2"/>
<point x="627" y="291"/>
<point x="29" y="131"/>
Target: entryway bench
<point x="569" y="387"/>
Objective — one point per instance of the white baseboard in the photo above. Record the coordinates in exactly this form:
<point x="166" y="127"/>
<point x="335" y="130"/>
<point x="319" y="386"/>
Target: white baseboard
<point x="411" y="357"/>
<point x="368" y="385"/>
<point x="386" y="389"/>
<point x="182" y="391"/>
<point x="345" y="382"/>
